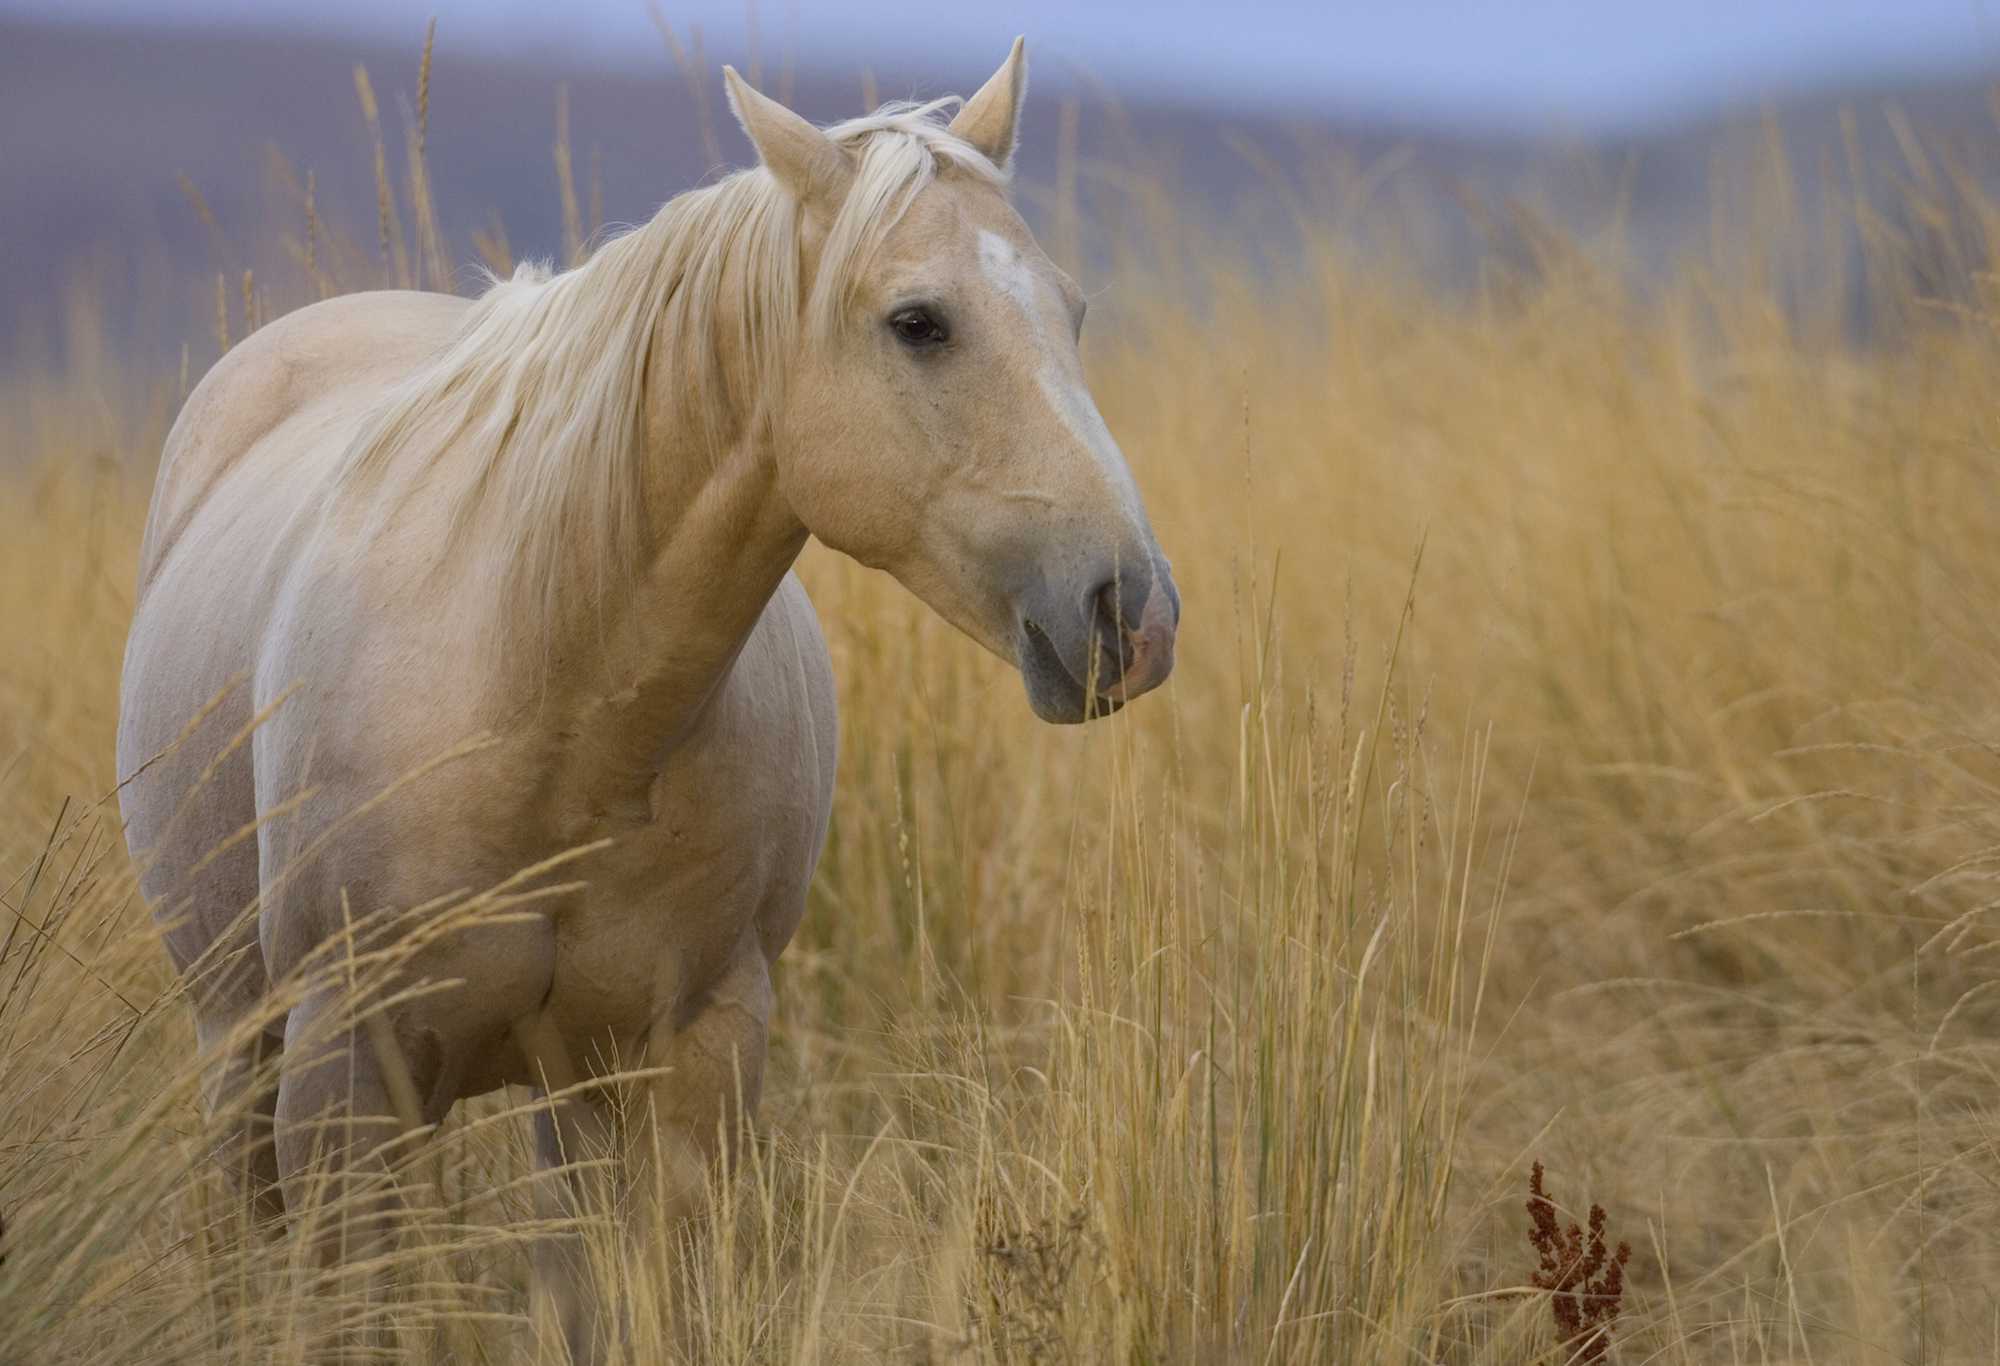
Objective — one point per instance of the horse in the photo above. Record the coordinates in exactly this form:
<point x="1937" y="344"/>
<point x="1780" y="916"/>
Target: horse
<point x="562" y="518"/>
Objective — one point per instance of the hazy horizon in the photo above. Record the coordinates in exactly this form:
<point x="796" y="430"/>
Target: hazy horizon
<point x="1546" y="67"/>
<point x="102" y="125"/>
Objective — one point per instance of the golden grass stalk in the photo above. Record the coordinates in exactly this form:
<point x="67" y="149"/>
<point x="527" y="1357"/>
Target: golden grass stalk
<point x="206" y="217"/>
<point x="388" y="222"/>
<point x="495" y="252"/>
<point x="572" y="216"/>
<point x="433" y="262"/>
<point x="319" y="282"/>
<point x="692" y="73"/>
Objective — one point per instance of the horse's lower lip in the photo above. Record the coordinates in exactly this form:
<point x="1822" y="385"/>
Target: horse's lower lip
<point x="1039" y="648"/>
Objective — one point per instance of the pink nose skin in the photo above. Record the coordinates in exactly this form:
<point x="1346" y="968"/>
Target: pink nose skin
<point x="1152" y="649"/>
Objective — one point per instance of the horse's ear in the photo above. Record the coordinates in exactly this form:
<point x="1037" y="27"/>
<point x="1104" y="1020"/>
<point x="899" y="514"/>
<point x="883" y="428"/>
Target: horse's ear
<point x="991" y="120"/>
<point x="805" y="160"/>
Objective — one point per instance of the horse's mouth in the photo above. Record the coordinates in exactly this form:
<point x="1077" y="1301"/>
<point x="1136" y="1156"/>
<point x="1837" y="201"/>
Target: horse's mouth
<point x="1054" y="690"/>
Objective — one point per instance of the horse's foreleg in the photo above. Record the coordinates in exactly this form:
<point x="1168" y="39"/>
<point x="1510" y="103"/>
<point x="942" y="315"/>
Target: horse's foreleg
<point x="709" y="1074"/>
<point x="705" y="1065"/>
<point x="575" y="1141"/>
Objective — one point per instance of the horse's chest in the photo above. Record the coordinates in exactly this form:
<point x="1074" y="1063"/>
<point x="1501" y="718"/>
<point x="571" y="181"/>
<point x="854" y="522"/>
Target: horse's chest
<point x="663" y="913"/>
<point x="720" y="863"/>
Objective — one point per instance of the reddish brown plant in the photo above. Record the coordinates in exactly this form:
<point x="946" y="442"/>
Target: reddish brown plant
<point x="1584" y="1281"/>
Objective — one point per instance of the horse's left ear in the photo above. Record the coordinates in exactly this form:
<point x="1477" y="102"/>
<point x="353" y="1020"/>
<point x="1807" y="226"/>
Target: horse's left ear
<point x="991" y="120"/>
<point x="804" y="160"/>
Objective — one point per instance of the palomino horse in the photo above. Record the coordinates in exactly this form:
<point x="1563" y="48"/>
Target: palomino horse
<point x="563" y="516"/>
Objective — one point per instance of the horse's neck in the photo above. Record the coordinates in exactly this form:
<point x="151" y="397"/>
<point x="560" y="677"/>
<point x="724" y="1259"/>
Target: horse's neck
<point x="722" y="542"/>
<point x="640" y="658"/>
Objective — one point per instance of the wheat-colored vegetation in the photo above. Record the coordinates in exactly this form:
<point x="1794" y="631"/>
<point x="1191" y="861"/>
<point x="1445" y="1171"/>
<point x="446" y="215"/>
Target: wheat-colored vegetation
<point x="1582" y="749"/>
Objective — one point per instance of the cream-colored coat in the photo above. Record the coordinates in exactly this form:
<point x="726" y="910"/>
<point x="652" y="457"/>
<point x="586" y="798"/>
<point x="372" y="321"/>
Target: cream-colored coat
<point x="444" y="652"/>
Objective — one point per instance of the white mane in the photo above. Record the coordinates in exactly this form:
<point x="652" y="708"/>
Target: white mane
<point x="541" y="393"/>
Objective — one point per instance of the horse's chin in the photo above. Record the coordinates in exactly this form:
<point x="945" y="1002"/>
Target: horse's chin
<point x="1053" y="691"/>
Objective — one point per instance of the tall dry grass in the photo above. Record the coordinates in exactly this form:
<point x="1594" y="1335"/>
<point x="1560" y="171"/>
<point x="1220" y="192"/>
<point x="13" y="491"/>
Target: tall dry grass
<point x="1582" y="750"/>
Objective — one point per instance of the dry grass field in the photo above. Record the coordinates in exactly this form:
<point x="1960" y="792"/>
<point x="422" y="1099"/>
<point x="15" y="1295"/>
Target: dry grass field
<point x="1585" y="749"/>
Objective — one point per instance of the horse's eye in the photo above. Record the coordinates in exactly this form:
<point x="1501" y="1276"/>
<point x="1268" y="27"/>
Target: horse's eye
<point x="918" y="327"/>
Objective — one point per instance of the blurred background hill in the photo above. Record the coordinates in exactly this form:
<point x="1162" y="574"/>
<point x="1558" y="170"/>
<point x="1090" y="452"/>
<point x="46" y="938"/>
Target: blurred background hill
<point x="139" y="157"/>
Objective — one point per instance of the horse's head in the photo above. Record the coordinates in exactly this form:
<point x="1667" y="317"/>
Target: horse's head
<point x="937" y="424"/>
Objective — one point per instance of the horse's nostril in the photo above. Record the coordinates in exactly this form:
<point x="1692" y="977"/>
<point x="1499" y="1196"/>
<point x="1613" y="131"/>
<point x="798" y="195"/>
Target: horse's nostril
<point x="1114" y="632"/>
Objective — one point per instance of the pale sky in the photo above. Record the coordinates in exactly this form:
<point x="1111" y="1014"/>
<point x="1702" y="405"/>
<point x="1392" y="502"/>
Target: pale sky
<point x="1533" y="64"/>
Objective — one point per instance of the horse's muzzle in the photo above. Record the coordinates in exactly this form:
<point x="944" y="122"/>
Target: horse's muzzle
<point x="1118" y="644"/>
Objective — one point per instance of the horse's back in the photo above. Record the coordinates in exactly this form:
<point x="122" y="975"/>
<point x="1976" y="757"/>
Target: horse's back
<point x="236" y="470"/>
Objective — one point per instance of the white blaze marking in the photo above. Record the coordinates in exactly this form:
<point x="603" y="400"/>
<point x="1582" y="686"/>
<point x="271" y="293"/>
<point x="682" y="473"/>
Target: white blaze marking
<point x="1062" y="385"/>
<point x="1006" y="270"/>
<point x="1074" y="408"/>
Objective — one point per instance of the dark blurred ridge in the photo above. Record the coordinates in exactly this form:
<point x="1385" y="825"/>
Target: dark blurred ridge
<point x="98" y="128"/>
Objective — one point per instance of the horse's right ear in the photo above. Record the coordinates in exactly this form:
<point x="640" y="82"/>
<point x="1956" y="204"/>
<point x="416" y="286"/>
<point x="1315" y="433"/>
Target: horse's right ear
<point x="804" y="160"/>
<point x="991" y="119"/>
